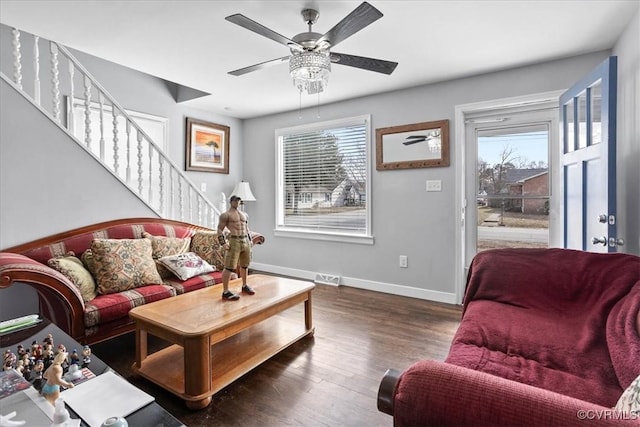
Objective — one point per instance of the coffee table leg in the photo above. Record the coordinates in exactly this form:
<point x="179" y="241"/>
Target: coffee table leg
<point x="197" y="370"/>
<point x="141" y="346"/>
<point x="308" y="319"/>
<point x="196" y="405"/>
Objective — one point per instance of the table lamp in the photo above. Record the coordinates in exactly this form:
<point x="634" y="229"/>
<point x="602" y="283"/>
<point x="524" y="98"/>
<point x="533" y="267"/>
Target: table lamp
<point x="243" y="190"/>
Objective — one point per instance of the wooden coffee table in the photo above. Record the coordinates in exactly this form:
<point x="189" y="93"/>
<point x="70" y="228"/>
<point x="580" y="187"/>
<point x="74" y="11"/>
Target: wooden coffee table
<point x="215" y="341"/>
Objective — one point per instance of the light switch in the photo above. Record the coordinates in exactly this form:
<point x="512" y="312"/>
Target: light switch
<point x="403" y="261"/>
<point x="434" y="185"/>
<point x="203" y="187"/>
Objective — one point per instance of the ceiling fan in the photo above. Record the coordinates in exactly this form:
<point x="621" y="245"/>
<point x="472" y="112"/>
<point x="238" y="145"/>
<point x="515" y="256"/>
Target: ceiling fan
<point x="310" y="59"/>
<point x="432" y="138"/>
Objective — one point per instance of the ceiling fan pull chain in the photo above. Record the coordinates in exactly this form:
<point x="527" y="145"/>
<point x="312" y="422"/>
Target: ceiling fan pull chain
<point x="300" y="106"/>
<point x="318" y="105"/>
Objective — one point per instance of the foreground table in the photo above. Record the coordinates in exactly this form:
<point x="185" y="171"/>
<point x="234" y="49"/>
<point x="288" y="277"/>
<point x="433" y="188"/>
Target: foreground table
<point x="215" y="341"/>
<point x="150" y="415"/>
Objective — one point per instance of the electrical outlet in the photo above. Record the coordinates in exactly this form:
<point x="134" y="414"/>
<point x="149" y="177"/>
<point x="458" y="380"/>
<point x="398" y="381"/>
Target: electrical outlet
<point x="404" y="262"/>
<point x="434" y="185"/>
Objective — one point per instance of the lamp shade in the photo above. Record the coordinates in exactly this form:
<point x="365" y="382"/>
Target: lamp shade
<point x="243" y="190"/>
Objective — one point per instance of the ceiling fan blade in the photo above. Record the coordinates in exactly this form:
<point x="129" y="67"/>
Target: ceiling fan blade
<point x="361" y="16"/>
<point x="252" y="25"/>
<point x="371" y="64"/>
<point x="259" y="66"/>
<point x="412" y="142"/>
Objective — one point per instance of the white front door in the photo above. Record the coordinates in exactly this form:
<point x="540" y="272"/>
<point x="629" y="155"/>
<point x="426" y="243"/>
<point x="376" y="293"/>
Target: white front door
<point x="588" y="143"/>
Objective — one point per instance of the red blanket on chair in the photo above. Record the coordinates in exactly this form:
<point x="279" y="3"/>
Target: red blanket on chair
<point x="562" y="320"/>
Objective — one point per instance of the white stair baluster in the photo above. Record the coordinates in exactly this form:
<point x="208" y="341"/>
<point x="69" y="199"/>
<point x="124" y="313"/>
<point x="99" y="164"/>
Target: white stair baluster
<point x="180" y="199"/>
<point x="128" y="130"/>
<point x="55" y="82"/>
<point x="139" y="163"/>
<point x="171" y="203"/>
<point x="116" y="157"/>
<point x="70" y="116"/>
<point x="36" y="70"/>
<point x="161" y="184"/>
<point x="187" y="204"/>
<point x="150" y="173"/>
<point x="87" y="112"/>
<point x="101" y="118"/>
<point x="205" y="213"/>
<point x="17" y="55"/>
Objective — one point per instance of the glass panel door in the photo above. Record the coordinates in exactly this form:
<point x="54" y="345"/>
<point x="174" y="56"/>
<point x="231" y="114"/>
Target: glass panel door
<point x="513" y="187"/>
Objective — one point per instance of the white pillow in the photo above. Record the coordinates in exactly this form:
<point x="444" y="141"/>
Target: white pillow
<point x="629" y="402"/>
<point x="186" y="265"/>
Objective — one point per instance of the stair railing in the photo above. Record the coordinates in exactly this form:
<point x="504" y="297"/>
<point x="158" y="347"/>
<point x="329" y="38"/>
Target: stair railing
<point x="107" y="131"/>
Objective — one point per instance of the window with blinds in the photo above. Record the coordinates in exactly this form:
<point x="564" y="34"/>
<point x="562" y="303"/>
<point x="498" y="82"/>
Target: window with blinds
<point x="323" y="180"/>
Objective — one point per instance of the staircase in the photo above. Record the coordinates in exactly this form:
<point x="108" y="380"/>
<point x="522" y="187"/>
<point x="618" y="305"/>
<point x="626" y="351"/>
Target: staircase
<point x="53" y="80"/>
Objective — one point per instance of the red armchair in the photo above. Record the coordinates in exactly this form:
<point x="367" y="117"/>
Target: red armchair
<point x="547" y="337"/>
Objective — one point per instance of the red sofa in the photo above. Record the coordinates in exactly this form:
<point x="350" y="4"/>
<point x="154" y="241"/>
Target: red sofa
<point x="106" y="315"/>
<point x="547" y="337"/>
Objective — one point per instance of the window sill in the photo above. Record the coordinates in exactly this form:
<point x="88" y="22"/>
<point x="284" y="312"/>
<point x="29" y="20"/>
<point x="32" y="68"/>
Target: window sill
<point x="325" y="236"/>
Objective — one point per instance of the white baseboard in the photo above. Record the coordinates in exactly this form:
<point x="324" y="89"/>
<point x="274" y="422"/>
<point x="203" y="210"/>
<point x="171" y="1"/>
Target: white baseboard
<point x="388" y="288"/>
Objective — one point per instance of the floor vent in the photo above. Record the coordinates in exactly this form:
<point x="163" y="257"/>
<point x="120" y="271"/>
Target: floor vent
<point x="327" y="279"/>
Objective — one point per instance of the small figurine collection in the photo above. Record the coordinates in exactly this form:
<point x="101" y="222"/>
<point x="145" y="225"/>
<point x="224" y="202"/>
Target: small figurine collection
<point x="48" y="367"/>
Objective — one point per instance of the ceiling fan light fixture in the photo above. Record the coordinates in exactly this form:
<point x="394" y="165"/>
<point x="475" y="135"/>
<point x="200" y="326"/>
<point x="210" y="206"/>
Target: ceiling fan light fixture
<point x="310" y="70"/>
<point x="434" y="145"/>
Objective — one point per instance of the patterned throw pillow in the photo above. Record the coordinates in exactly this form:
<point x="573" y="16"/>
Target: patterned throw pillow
<point x="164" y="246"/>
<point x="123" y="264"/>
<point x="629" y="402"/>
<point x="71" y="267"/>
<point x="186" y="265"/>
<point x="205" y="245"/>
<point x="87" y="260"/>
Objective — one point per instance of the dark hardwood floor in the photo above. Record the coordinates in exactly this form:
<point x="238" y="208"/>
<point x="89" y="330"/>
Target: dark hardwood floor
<point x="330" y="379"/>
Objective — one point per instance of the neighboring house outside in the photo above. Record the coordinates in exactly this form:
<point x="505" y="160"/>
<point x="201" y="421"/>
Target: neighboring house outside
<point x="309" y="197"/>
<point x="346" y="193"/>
<point x="528" y="182"/>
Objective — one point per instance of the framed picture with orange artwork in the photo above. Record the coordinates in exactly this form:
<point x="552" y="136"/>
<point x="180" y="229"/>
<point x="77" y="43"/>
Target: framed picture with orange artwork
<point x="207" y="147"/>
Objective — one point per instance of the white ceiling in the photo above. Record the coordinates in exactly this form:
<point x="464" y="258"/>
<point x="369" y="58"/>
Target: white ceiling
<point x="189" y="42"/>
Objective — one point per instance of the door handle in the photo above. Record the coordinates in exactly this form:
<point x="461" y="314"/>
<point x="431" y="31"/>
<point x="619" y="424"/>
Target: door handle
<point x="599" y="240"/>
<point x="615" y="242"/>
<point x="604" y="219"/>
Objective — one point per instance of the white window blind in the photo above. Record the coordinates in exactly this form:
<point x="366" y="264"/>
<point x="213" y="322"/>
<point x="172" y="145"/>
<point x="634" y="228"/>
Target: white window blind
<point x="323" y="179"/>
